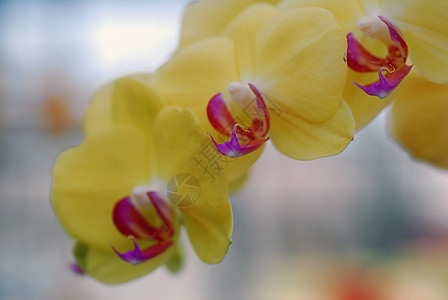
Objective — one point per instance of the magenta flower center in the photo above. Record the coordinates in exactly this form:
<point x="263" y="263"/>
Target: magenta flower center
<point x="245" y="137"/>
<point x="361" y="60"/>
<point x="130" y="221"/>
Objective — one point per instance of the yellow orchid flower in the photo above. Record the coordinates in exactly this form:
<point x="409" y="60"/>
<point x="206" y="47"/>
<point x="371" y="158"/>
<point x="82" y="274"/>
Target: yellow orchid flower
<point x="121" y="183"/>
<point x="420" y="25"/>
<point x="419" y="119"/>
<point x="284" y="72"/>
<point x="418" y="111"/>
<point x="208" y="18"/>
<point x="134" y="100"/>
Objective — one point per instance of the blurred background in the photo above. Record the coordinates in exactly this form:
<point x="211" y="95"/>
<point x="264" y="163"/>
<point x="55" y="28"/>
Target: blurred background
<point x="369" y="224"/>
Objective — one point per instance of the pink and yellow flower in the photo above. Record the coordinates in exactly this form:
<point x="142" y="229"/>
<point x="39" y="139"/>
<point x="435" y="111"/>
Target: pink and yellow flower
<point x="124" y="193"/>
<point x="415" y="28"/>
<point x="288" y="66"/>
<point x="421" y="26"/>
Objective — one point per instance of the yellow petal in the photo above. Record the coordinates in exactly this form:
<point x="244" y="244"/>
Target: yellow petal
<point x="129" y="100"/>
<point x="424" y="24"/>
<point x="364" y="107"/>
<point x="300" y="63"/>
<point x="302" y="140"/>
<point x="239" y="166"/>
<point x="209" y="226"/>
<point x="207" y="18"/>
<point x="346" y="12"/>
<point x="208" y="220"/>
<point x="179" y="137"/>
<point x="242" y="31"/>
<point x="429" y="52"/>
<point x="419" y="119"/>
<point x="236" y="185"/>
<point x="196" y="73"/>
<point x="107" y="267"/>
<point x="193" y="76"/>
<point x="88" y="180"/>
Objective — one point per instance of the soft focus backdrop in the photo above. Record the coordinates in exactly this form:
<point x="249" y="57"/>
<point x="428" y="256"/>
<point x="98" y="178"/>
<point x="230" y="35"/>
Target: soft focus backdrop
<point x="370" y="219"/>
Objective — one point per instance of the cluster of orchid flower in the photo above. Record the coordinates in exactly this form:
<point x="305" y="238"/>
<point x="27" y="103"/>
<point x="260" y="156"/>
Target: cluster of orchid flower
<point x="245" y="72"/>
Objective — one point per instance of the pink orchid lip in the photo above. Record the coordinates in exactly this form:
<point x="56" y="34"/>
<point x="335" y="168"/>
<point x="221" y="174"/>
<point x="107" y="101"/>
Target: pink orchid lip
<point x="233" y="148"/>
<point x="387" y="83"/>
<point x="219" y="115"/>
<point x="260" y="126"/>
<point x="361" y="60"/>
<point x="242" y="141"/>
<point x="129" y="221"/>
<point x="138" y="256"/>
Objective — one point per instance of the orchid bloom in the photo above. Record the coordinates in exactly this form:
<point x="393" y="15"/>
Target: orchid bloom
<point x="124" y="192"/>
<point x="419" y="109"/>
<point x="419" y="27"/>
<point x="287" y="67"/>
